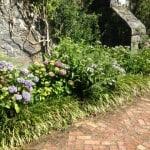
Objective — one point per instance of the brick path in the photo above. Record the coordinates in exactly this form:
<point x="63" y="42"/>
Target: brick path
<point x="127" y="128"/>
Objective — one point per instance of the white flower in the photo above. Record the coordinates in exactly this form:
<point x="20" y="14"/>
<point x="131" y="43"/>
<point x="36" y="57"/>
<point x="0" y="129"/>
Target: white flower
<point x="89" y="69"/>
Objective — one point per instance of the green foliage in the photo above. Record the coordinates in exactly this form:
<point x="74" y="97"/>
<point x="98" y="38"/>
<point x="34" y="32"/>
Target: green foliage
<point x="79" y="68"/>
<point x="15" y="89"/>
<point x="37" y="120"/>
<point x="142" y="11"/>
<point x="68" y="18"/>
<point x="133" y="62"/>
<point x="45" y="7"/>
<point x="127" y="87"/>
<point x="73" y="20"/>
<point x="103" y="77"/>
<point x="95" y="70"/>
<point x="53" y="79"/>
<point x="89" y="64"/>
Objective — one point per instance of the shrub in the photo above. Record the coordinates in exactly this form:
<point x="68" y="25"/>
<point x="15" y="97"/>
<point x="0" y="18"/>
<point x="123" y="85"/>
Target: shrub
<point x="127" y="87"/>
<point x="15" y="89"/>
<point x="53" y="79"/>
<point x="89" y="64"/>
<point x="133" y="62"/>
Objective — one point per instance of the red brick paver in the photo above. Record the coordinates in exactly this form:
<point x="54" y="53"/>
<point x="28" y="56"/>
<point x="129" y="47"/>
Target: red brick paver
<point x="125" y="129"/>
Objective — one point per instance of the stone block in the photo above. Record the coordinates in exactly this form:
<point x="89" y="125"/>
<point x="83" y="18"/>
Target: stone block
<point x="135" y="39"/>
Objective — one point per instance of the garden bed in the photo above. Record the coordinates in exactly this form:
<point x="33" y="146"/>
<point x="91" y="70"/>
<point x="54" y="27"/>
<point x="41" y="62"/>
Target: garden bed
<point x="77" y="81"/>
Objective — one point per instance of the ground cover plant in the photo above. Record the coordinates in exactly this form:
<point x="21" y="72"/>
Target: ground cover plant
<point x="76" y="81"/>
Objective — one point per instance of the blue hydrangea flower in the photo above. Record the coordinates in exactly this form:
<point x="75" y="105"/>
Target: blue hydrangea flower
<point x="20" y="80"/>
<point x="29" y="88"/>
<point x="6" y="65"/>
<point x="28" y="83"/>
<point x="26" y="96"/>
<point x="18" y="97"/>
<point x="24" y="71"/>
<point x="94" y="66"/>
<point x="36" y="79"/>
<point x="118" y="67"/>
<point x="12" y="89"/>
<point x="30" y="75"/>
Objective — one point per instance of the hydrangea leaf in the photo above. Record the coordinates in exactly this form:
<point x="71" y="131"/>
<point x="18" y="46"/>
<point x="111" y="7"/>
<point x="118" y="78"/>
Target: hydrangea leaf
<point x="17" y="108"/>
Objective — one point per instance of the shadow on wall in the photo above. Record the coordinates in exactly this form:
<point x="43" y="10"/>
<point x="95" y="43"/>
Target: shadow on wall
<point x="114" y="30"/>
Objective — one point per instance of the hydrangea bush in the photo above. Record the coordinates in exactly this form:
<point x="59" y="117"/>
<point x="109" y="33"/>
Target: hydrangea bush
<point x="53" y="79"/>
<point x="132" y="62"/>
<point x="16" y="87"/>
<point x="89" y="64"/>
<point x="74" y="68"/>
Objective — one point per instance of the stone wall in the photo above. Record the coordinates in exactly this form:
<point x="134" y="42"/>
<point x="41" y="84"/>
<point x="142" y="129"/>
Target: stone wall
<point x="18" y="37"/>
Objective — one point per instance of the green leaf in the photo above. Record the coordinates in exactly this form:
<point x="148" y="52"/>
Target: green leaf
<point x="17" y="108"/>
<point x="7" y="106"/>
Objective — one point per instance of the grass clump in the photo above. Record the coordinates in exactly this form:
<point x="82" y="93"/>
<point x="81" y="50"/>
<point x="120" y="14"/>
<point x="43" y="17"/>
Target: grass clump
<point x="37" y="120"/>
